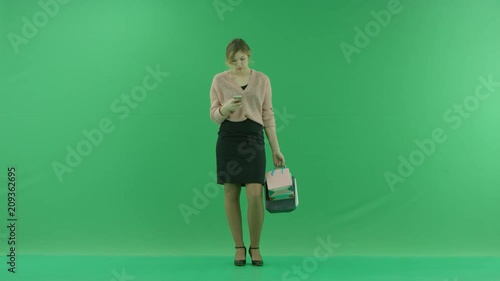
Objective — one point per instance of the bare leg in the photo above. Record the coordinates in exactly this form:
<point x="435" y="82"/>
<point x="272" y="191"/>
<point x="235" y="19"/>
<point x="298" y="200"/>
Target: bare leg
<point x="233" y="214"/>
<point x="255" y="216"/>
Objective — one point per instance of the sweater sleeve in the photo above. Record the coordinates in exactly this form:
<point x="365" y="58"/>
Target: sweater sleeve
<point x="267" y="106"/>
<point x="215" y="104"/>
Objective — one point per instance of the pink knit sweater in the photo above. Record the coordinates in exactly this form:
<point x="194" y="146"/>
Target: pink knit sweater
<point x="257" y="98"/>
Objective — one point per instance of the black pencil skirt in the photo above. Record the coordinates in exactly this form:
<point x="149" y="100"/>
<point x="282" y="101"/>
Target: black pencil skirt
<point x="240" y="153"/>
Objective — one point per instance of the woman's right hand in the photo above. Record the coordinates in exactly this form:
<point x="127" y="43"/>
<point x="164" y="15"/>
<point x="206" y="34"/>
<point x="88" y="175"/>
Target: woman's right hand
<point x="231" y="106"/>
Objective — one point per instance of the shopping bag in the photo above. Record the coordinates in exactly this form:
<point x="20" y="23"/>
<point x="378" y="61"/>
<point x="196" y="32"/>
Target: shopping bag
<point x="279" y="184"/>
<point x="284" y="205"/>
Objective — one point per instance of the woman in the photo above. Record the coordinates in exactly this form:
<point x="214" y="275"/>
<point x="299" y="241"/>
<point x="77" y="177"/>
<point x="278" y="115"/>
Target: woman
<point x="241" y="103"/>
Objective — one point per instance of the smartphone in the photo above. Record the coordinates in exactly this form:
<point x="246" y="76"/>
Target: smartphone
<point x="238" y="97"/>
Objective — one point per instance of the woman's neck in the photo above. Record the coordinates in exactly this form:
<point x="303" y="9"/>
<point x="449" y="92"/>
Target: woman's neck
<point x="242" y="73"/>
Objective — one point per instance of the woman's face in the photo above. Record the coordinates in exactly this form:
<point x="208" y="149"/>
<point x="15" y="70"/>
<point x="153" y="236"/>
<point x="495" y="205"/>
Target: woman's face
<point x="239" y="62"/>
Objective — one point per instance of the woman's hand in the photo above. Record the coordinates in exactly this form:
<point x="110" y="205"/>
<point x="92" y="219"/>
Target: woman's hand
<point x="231" y="106"/>
<point x="278" y="159"/>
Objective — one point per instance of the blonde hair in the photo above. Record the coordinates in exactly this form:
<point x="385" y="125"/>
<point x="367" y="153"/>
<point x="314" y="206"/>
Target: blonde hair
<point x="235" y="46"/>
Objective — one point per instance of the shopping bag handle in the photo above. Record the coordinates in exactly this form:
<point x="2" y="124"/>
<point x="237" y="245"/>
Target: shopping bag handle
<point x="282" y="169"/>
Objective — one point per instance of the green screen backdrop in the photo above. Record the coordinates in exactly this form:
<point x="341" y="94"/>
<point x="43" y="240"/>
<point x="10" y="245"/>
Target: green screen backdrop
<point x="387" y="113"/>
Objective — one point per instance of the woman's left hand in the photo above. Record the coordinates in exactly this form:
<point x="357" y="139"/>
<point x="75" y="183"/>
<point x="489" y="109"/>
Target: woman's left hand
<point x="278" y="159"/>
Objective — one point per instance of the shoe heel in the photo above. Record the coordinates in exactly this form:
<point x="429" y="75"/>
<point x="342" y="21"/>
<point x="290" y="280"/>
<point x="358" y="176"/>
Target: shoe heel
<point x="241" y="262"/>
<point x="255" y="262"/>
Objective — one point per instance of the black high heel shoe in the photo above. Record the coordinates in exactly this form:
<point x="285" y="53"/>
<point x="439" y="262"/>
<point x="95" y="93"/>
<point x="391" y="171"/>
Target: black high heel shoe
<point x="255" y="262"/>
<point x="241" y="262"/>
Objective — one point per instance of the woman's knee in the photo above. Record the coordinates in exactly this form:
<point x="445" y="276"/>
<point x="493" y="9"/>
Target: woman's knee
<point x="254" y="191"/>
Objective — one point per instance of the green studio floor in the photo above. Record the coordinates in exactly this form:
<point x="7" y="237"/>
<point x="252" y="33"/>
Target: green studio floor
<point x="66" y="268"/>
